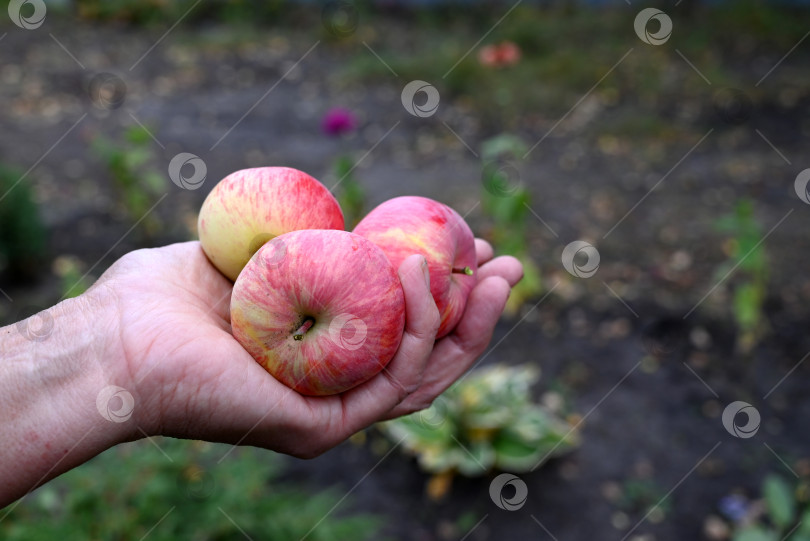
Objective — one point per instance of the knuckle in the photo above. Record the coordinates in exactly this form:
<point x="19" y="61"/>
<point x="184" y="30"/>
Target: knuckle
<point x="434" y="321"/>
<point x="403" y="389"/>
<point x="411" y="387"/>
<point x="419" y="402"/>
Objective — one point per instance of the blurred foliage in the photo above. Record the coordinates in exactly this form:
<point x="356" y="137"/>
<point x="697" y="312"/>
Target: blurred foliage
<point x="131" y="165"/>
<point x="485" y="421"/>
<point x="540" y="81"/>
<point x="70" y="270"/>
<point x="747" y="265"/>
<point x="136" y="490"/>
<point x="23" y="237"/>
<point x="507" y="204"/>
<point x="646" y="497"/>
<point x="350" y="193"/>
<point x="158" y="12"/>
<point x="566" y="49"/>
<point x="783" y="514"/>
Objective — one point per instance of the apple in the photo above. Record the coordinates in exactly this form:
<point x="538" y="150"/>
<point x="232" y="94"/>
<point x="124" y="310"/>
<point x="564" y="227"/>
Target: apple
<point x="417" y="225"/>
<point x="249" y="207"/>
<point x="320" y="310"/>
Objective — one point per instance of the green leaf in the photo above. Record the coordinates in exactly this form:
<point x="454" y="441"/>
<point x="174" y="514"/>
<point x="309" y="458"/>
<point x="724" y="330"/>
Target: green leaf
<point x="747" y="305"/>
<point x="804" y="527"/>
<point x="780" y="500"/>
<point x="726" y="224"/>
<point x="198" y="483"/>
<point x="137" y="135"/>
<point x="515" y="455"/>
<point x="136" y="157"/>
<point x="487" y="419"/>
<point x="155" y="182"/>
<point x="343" y="166"/>
<point x="503" y="145"/>
<point x="477" y="459"/>
<point x="756" y="533"/>
<point x="23" y="237"/>
<point x="510" y="210"/>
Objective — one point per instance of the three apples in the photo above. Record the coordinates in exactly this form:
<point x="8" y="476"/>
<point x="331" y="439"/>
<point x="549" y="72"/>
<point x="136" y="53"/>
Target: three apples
<point x="320" y="308"/>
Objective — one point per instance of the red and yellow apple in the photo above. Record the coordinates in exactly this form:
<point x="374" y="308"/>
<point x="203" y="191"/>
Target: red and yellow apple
<point x="320" y="310"/>
<point x="249" y="207"/>
<point x="417" y="225"/>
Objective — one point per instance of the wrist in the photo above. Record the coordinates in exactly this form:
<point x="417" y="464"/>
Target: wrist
<point x="56" y="371"/>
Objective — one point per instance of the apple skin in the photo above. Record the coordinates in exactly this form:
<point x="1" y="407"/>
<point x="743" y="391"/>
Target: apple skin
<point x="341" y="282"/>
<point x="417" y="225"/>
<point x="251" y="206"/>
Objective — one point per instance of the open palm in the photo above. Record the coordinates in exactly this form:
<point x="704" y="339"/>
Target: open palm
<point x="191" y="379"/>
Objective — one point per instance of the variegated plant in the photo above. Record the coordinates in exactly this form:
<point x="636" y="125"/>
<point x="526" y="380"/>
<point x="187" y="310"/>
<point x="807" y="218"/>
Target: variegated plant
<point x="486" y="421"/>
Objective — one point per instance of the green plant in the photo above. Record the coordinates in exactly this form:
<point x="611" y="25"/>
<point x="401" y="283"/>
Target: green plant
<point x="483" y="422"/>
<point x="550" y="71"/>
<point x="783" y="514"/>
<point x="155" y="12"/>
<point x="70" y="270"/>
<point x="561" y="61"/>
<point x="22" y="235"/>
<point x="173" y="489"/>
<point x="350" y="193"/>
<point x="750" y="282"/>
<point x="507" y="202"/>
<point x="339" y="122"/>
<point x="644" y="496"/>
<point x="130" y="164"/>
<point x="131" y="11"/>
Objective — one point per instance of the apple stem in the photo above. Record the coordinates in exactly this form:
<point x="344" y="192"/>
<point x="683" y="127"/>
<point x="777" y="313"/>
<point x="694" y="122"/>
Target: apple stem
<point x="466" y="270"/>
<point x="299" y="334"/>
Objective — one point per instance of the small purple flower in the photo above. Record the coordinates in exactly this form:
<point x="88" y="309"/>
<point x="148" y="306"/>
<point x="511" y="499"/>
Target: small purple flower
<point x="734" y="507"/>
<point x="338" y="121"/>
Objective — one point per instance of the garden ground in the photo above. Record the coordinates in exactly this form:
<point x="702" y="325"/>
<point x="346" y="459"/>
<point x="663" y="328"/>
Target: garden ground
<point x="637" y="154"/>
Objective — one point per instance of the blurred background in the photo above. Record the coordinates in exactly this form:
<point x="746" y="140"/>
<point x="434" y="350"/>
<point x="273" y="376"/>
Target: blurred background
<point x="646" y="161"/>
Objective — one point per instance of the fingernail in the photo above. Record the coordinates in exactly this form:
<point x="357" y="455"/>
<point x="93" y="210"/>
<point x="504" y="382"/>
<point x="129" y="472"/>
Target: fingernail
<point x="426" y="272"/>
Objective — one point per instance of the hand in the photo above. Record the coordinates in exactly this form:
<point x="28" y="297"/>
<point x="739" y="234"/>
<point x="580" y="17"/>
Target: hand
<point x="168" y="312"/>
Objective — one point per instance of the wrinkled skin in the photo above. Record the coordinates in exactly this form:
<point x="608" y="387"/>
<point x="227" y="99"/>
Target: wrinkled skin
<point x="165" y="335"/>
